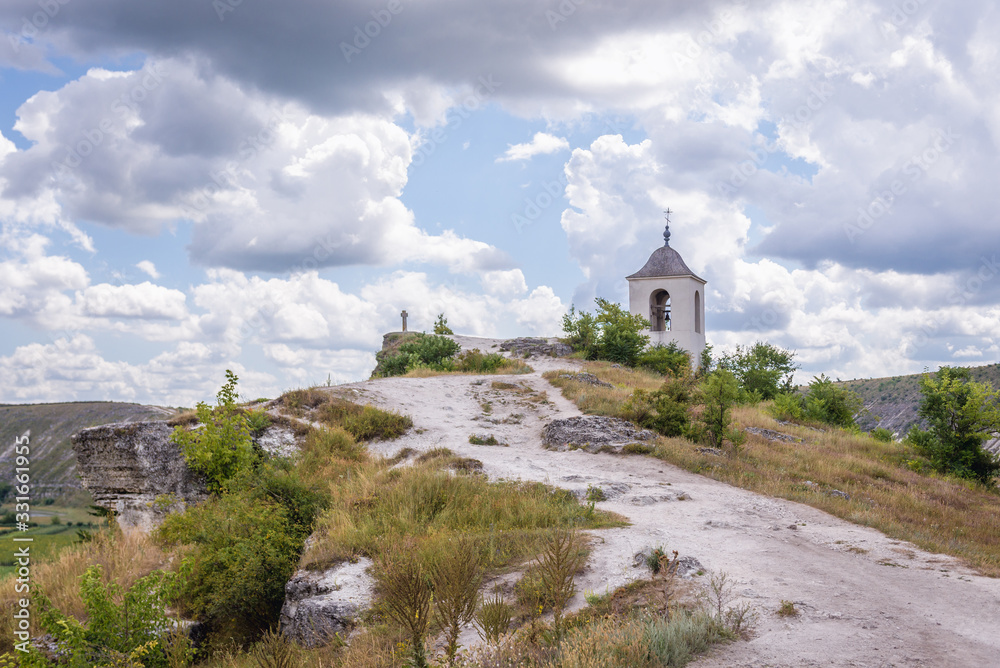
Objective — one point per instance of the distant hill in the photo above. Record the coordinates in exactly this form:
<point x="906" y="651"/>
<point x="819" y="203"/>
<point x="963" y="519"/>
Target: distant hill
<point x="892" y="402"/>
<point x="53" y="464"/>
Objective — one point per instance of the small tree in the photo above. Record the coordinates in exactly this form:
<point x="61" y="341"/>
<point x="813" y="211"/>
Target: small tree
<point x="962" y="414"/>
<point x="830" y="403"/>
<point x="762" y="370"/>
<point x="406" y="597"/>
<point x="457" y="577"/>
<point x="621" y="339"/>
<point x="581" y="331"/>
<point x="720" y="392"/>
<point x="222" y="447"/>
<point x="441" y="325"/>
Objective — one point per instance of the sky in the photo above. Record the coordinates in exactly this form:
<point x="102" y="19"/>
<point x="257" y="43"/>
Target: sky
<point x="199" y="185"/>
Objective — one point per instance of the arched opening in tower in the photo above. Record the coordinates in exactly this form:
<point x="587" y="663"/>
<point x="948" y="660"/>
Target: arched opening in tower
<point x="659" y="311"/>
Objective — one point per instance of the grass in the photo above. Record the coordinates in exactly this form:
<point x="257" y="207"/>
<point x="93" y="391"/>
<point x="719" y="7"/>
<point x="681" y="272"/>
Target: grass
<point x="937" y="513"/>
<point x="429" y="504"/>
<point x="507" y="367"/>
<point x="487" y="439"/>
<point x="608" y="401"/>
<point x="124" y="558"/>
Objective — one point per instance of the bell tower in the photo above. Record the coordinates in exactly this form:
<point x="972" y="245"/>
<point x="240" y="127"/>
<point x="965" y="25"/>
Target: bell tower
<point x="671" y="297"/>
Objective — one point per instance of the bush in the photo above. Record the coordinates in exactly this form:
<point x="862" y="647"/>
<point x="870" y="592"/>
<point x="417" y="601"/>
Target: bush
<point x="365" y="423"/>
<point x="621" y="338"/>
<point x="664" y="411"/>
<point x="122" y="624"/>
<point x="420" y="351"/>
<point x="824" y="402"/>
<point x="881" y="434"/>
<point x="720" y="392"/>
<point x="441" y="325"/>
<point x="244" y="550"/>
<point x="474" y="361"/>
<point x="962" y="415"/>
<point x="669" y="360"/>
<point x="829" y="403"/>
<point x="222" y="447"/>
<point x="787" y="407"/>
<point x="581" y="331"/>
<point x="614" y="334"/>
<point x="762" y="370"/>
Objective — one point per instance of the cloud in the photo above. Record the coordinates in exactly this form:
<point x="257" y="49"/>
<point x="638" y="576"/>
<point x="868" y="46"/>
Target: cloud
<point x="541" y="144"/>
<point x="843" y="321"/>
<point x="148" y="268"/>
<point x="270" y="186"/>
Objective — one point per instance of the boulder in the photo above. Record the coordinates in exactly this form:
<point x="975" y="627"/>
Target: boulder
<point x="593" y="433"/>
<point x="321" y="604"/>
<point x="526" y="347"/>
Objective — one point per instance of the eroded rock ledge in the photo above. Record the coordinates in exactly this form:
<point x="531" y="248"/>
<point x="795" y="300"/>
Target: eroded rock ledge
<point x="135" y="469"/>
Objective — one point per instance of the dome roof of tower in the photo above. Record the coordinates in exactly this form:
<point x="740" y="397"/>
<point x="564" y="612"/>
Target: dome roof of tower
<point x="665" y="261"/>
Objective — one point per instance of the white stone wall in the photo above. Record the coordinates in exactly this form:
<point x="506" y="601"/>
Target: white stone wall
<point x="682" y="310"/>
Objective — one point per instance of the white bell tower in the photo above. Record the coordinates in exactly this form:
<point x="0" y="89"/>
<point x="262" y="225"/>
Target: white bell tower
<point x="672" y="297"/>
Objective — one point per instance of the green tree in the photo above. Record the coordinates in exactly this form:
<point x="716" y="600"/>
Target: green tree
<point x="581" y="331"/>
<point x="719" y="392"/>
<point x="962" y="414"/>
<point x="222" y="446"/>
<point x="621" y="333"/>
<point x="830" y="403"/>
<point x="762" y="370"/>
<point x="669" y="360"/>
<point x="441" y="325"/>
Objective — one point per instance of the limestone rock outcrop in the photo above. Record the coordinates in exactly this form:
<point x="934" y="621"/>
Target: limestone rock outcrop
<point x="321" y="604"/>
<point x="135" y="469"/>
<point x="593" y="433"/>
<point x="526" y="347"/>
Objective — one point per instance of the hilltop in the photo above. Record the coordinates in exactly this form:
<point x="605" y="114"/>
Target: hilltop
<point x="892" y="402"/>
<point x="53" y="465"/>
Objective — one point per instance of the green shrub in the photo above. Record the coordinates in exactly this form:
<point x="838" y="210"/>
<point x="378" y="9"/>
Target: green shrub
<point x="762" y="370"/>
<point x="719" y="392"/>
<point x="962" y="415"/>
<point x="420" y="351"/>
<point x="830" y="403"/>
<point x="581" y="331"/>
<point x="222" y="447"/>
<point x="441" y="325"/>
<point x="664" y="411"/>
<point x="244" y="549"/>
<point x="474" y="361"/>
<point x="371" y="424"/>
<point x="614" y="334"/>
<point x="669" y="360"/>
<point x="122" y="624"/>
<point x="881" y="434"/>
<point x="787" y="406"/>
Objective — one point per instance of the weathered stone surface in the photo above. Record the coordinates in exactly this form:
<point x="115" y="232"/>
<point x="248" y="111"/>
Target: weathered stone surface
<point x="593" y="433"/>
<point x="127" y="466"/>
<point x="585" y="377"/>
<point x="278" y="441"/>
<point x="772" y="435"/>
<point x="526" y="346"/>
<point x="319" y="605"/>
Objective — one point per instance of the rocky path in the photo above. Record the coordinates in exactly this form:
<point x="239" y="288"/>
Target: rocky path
<point x="866" y="600"/>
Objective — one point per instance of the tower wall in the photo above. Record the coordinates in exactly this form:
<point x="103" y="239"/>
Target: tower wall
<point x="684" y="330"/>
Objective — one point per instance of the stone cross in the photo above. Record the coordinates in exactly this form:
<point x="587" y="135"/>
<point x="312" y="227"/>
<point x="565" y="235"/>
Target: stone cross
<point x="404" y="314"/>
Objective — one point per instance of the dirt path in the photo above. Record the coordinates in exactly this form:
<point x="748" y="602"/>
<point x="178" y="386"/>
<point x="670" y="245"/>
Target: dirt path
<point x="866" y="600"/>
